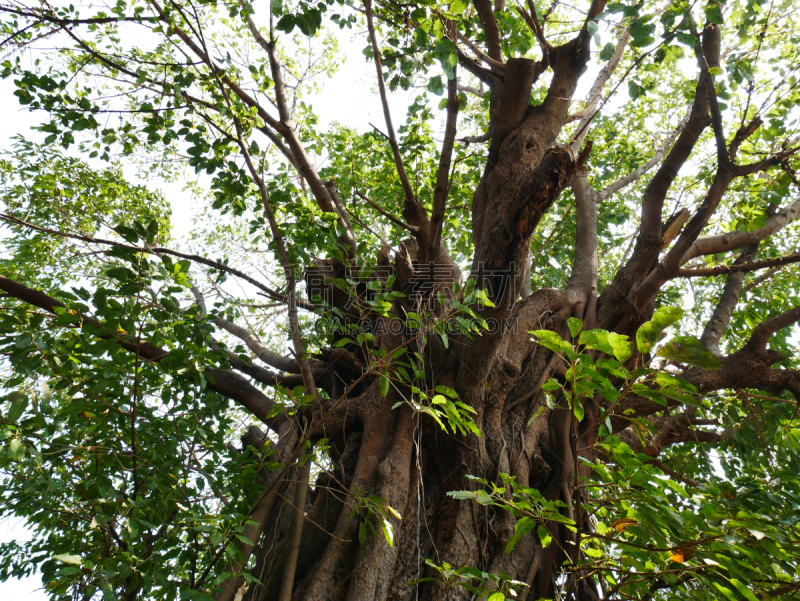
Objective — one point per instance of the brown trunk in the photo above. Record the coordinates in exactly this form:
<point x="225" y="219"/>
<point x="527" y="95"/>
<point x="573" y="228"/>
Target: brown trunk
<point x="405" y="458"/>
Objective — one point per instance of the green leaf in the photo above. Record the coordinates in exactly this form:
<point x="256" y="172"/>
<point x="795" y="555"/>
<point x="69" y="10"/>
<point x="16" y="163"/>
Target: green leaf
<point x="384" y="385"/>
<point x="689" y="350"/>
<point x="649" y="332"/>
<point x="620" y="345"/>
<point x="607" y="52"/>
<point x="552" y="341"/>
<point x="744" y="589"/>
<point x="17" y="449"/>
<point x="462" y="494"/>
<point x="574" y="324"/>
<point x="71" y="559"/>
<point x="435" y="85"/>
<point x="522" y="527"/>
<point x="544" y="535"/>
<point x="578" y="409"/>
<point x="19" y="402"/>
<point x="714" y="14"/>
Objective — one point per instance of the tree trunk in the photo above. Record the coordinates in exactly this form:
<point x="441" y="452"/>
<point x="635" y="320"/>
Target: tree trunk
<point x="405" y="458"/>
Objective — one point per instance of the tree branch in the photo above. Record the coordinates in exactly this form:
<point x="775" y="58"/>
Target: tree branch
<point x="221" y="381"/>
<point x="411" y="228"/>
<point x="727" y="303"/>
<point x="596" y="91"/>
<point x="634" y="175"/>
<point x="490" y="29"/>
<point x="442" y="188"/>
<point x="259" y="350"/>
<point x="583" y="278"/>
<point x="495" y="65"/>
<point x="719" y="243"/>
<point x="763" y="331"/>
<point x="738" y="268"/>
<point x="413" y="211"/>
<point x="289" y="568"/>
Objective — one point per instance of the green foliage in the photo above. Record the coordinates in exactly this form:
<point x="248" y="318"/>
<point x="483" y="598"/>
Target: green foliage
<point x="733" y="534"/>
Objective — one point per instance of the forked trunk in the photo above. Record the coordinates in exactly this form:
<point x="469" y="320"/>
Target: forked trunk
<point x="405" y="458"/>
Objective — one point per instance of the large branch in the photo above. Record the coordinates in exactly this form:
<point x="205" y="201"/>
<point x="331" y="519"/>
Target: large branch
<point x="708" y="57"/>
<point x="583" y="279"/>
<point x="259" y="350"/>
<point x="668" y="268"/>
<point x="490" y="29"/>
<point x="221" y="381"/>
<point x="727" y="303"/>
<point x="525" y="171"/>
<point x="708" y="245"/>
<point x="614" y="303"/>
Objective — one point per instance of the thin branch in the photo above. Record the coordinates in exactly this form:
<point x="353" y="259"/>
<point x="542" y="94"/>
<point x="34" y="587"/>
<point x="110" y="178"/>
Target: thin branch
<point x="493" y="64"/>
<point x="412" y="210"/>
<point x="634" y="175"/>
<point x="411" y="228"/>
<point x="442" y="187"/>
<point x="738" y="268"/>
<point x="593" y="98"/>
<point x="156" y="250"/>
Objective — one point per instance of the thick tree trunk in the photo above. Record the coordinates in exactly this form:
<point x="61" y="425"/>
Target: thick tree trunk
<point x="406" y="459"/>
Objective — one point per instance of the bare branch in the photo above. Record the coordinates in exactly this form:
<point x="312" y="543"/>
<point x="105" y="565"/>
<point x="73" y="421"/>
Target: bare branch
<point x="490" y="29"/>
<point x="413" y="210"/>
<point x="763" y="331"/>
<point x="708" y="245"/>
<point x="262" y="352"/>
<point x="485" y="75"/>
<point x="596" y="91"/>
<point x="738" y="267"/>
<point x="495" y="65"/>
<point x="727" y="303"/>
<point x="411" y="228"/>
<point x="442" y="187"/>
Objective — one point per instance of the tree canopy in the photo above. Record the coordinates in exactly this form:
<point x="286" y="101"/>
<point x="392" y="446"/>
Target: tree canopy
<point x="533" y="339"/>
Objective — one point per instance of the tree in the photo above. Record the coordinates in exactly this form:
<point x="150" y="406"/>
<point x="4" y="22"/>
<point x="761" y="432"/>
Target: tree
<point x="450" y="333"/>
